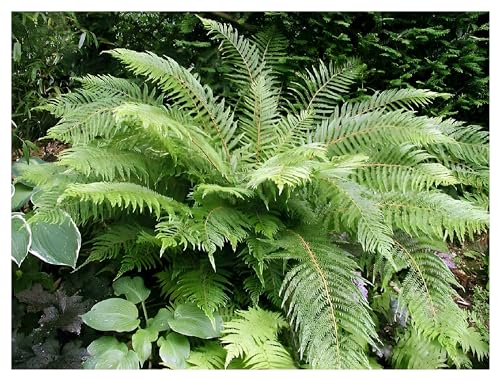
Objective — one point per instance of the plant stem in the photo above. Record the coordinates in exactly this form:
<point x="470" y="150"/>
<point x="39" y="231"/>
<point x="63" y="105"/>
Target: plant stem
<point x="145" y="312"/>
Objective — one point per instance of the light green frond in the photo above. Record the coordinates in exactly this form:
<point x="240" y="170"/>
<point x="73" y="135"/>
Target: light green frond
<point x="467" y="175"/>
<point x="209" y="356"/>
<point x="108" y="84"/>
<point x="253" y="335"/>
<point x="390" y="100"/>
<point x="322" y="87"/>
<point x="353" y="210"/>
<point x="291" y="131"/>
<point x="272" y="46"/>
<point x="433" y="214"/>
<point x="225" y="192"/>
<point x="403" y="177"/>
<point x="260" y="116"/>
<point x="186" y="91"/>
<point x="200" y="285"/>
<point x="415" y="352"/>
<point x="241" y="54"/>
<point x="169" y="131"/>
<point x="357" y="134"/>
<point x="427" y="293"/>
<point x="269" y="355"/>
<point x="288" y="169"/>
<point x="89" y="197"/>
<point x="109" y="244"/>
<point x="323" y="303"/>
<point x="207" y="230"/>
<point x="106" y="163"/>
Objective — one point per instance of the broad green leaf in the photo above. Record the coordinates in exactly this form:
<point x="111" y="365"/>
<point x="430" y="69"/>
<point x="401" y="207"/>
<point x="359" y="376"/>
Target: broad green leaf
<point x="16" y="51"/>
<point x="113" y="314"/>
<point x="21" y="239"/>
<point x="108" y="353"/>
<point x="133" y="289"/>
<point x="174" y="350"/>
<point x="190" y="320"/>
<point x="160" y="321"/>
<point x="21" y="196"/>
<point x="58" y="243"/>
<point x="20" y="164"/>
<point x="141" y="343"/>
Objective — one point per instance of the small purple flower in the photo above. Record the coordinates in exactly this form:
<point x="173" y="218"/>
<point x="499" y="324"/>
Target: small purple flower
<point x="447" y="259"/>
<point x="358" y="281"/>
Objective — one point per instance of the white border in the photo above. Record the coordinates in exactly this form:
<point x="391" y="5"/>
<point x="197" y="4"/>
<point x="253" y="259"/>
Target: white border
<point x="7" y="6"/>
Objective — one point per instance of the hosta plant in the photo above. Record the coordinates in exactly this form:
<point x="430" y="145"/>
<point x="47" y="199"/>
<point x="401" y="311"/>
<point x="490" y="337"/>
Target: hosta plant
<point x="275" y="200"/>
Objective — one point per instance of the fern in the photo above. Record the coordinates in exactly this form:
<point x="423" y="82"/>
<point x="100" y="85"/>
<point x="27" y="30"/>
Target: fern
<point x="276" y="202"/>
<point x="252" y="335"/>
<point x="323" y="282"/>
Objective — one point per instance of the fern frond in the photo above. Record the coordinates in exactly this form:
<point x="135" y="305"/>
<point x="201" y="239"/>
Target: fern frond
<point x="322" y="87"/>
<point x="137" y="259"/>
<point x="207" y="230"/>
<point x="427" y="293"/>
<point x="324" y="305"/>
<point x="433" y="214"/>
<point x="415" y="352"/>
<point x="121" y="195"/>
<point x="260" y="115"/>
<point x="288" y="169"/>
<point x="169" y="131"/>
<point x="359" y="133"/>
<point x="116" y="239"/>
<point x="209" y="356"/>
<point x="360" y="215"/>
<point x="272" y="46"/>
<point x="187" y="92"/>
<point x="225" y="192"/>
<point x="239" y="52"/>
<point x="198" y="284"/>
<point x="390" y="100"/>
<point x="252" y="335"/>
<point x="106" y="163"/>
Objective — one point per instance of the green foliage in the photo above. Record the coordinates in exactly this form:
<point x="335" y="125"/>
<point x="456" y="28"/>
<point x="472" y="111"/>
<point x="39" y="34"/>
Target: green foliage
<point x="256" y="187"/>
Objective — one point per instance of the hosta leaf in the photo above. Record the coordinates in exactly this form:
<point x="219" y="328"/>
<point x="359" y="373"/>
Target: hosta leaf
<point x="141" y="343"/>
<point x="190" y="320"/>
<point x="21" y="195"/>
<point x="160" y="321"/>
<point x="133" y="289"/>
<point x="113" y="314"/>
<point x="108" y="353"/>
<point x="21" y="239"/>
<point x="174" y="350"/>
<point x="56" y="243"/>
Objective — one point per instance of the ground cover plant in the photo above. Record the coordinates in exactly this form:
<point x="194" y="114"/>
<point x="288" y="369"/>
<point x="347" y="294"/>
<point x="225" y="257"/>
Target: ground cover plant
<point x="278" y="227"/>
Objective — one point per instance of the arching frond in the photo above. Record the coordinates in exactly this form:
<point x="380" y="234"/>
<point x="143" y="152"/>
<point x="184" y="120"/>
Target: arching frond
<point x="239" y="52"/>
<point x="359" y="214"/>
<point x="198" y="284"/>
<point x="209" y="356"/>
<point x="323" y="303"/>
<point x="272" y="46"/>
<point x="89" y="197"/>
<point x="390" y="100"/>
<point x="106" y="162"/>
<point x="322" y="87"/>
<point x="356" y="134"/>
<point x="253" y="335"/>
<point x="157" y="121"/>
<point x="259" y="116"/>
<point x="433" y="214"/>
<point x="186" y="91"/>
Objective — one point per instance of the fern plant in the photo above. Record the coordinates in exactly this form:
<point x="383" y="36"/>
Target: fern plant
<point x="275" y="199"/>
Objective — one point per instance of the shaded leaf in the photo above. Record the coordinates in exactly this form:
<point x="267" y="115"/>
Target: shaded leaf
<point x="113" y="314"/>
